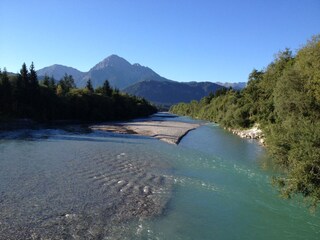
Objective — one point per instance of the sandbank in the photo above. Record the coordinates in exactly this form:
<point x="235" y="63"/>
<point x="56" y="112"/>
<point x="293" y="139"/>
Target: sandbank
<point x="167" y="131"/>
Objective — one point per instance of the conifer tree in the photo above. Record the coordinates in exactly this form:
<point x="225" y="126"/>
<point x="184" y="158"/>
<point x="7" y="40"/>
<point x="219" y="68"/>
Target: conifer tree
<point x="67" y="83"/>
<point x="89" y="86"/>
<point x="5" y="92"/>
<point x="24" y="76"/>
<point x="46" y="80"/>
<point x="33" y="78"/>
<point x="52" y="83"/>
<point x="106" y="89"/>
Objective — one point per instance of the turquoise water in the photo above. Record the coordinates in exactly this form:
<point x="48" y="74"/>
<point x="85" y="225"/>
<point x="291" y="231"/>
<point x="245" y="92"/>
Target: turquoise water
<point x="221" y="192"/>
<point x="63" y="185"/>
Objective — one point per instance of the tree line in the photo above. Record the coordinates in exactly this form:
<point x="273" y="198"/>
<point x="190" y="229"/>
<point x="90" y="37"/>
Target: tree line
<point x="284" y="99"/>
<point x="23" y="96"/>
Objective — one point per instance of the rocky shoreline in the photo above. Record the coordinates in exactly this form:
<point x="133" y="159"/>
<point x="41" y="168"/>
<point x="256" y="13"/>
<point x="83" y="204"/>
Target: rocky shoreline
<point x="252" y="133"/>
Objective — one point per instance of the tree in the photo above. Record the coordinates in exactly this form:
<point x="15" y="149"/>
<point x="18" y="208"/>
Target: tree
<point x="255" y="76"/>
<point x="66" y="84"/>
<point x="5" y="92"/>
<point x="24" y="76"/>
<point x="52" y="83"/>
<point x="22" y="97"/>
<point x="46" y="80"/>
<point x="33" y="78"/>
<point x="89" y="86"/>
<point x="49" y="82"/>
<point x="5" y="79"/>
<point x="294" y="139"/>
<point x="285" y="100"/>
<point x="106" y="89"/>
<point x="308" y="64"/>
<point x="59" y="90"/>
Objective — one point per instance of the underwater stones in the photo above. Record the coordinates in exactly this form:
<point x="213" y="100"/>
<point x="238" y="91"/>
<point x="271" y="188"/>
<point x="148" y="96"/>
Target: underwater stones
<point x="146" y="190"/>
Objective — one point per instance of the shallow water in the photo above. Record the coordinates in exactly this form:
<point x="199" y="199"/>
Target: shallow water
<point x="63" y="185"/>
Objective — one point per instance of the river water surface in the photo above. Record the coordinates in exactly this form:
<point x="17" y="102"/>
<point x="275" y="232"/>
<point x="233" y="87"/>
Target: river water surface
<point x="59" y="184"/>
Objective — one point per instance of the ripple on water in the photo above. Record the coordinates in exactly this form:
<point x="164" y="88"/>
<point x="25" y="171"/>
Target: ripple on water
<point x="78" y="188"/>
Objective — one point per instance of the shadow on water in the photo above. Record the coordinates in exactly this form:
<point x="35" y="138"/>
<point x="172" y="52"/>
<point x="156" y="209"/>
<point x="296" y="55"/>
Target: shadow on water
<point x="86" y="139"/>
<point x="71" y="135"/>
<point x="160" y="116"/>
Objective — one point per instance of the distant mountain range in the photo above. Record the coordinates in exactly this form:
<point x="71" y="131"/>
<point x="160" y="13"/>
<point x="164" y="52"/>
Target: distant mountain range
<point x="235" y="86"/>
<point x="118" y="71"/>
<point x="137" y="80"/>
<point x="170" y="92"/>
<point x="58" y="71"/>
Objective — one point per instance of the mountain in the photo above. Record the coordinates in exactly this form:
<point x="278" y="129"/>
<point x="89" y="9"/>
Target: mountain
<point x="118" y="71"/>
<point x="58" y="71"/>
<point x="137" y="80"/>
<point x="169" y="92"/>
<point x="235" y="86"/>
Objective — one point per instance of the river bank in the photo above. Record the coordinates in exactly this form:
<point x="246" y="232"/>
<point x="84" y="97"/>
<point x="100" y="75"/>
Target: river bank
<point x="154" y="126"/>
<point x="252" y="133"/>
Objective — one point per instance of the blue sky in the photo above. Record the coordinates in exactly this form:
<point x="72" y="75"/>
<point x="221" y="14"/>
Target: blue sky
<point x="183" y="40"/>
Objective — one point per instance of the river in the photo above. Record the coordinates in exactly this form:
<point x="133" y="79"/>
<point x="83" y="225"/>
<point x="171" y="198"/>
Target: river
<point x="71" y="184"/>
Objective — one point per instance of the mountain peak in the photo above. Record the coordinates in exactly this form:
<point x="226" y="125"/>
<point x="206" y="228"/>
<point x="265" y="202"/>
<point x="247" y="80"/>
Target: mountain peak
<point x="112" y="61"/>
<point x="118" y="71"/>
<point x="58" y="66"/>
<point x="114" y="56"/>
<point x="58" y="71"/>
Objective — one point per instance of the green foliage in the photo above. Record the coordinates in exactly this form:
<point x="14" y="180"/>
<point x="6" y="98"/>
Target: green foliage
<point x="66" y="84"/>
<point x="285" y="100"/>
<point x="49" y="83"/>
<point x="23" y="97"/>
<point x="33" y="78"/>
<point x="294" y="140"/>
<point x="105" y="90"/>
<point x="225" y="107"/>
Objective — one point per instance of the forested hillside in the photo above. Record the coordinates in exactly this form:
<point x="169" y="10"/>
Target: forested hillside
<point x="166" y="93"/>
<point x="284" y="99"/>
<point x="22" y="96"/>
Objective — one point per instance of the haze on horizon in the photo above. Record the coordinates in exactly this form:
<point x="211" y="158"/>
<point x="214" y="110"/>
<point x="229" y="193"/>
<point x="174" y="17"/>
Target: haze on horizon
<point x="180" y="40"/>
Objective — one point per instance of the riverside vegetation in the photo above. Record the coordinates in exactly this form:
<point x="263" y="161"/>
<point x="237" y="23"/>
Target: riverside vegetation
<point x="22" y="96"/>
<point x="284" y="99"/>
